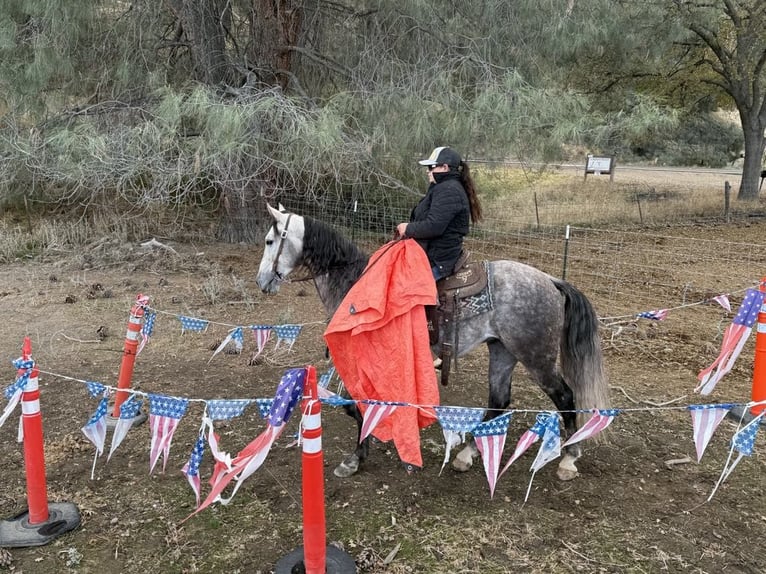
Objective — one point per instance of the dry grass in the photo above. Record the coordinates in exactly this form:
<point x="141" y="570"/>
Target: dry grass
<point x="516" y="198"/>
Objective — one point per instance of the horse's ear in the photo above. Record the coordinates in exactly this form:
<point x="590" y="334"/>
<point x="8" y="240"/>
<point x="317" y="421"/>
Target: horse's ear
<point x="276" y="214"/>
<point x="282" y="208"/>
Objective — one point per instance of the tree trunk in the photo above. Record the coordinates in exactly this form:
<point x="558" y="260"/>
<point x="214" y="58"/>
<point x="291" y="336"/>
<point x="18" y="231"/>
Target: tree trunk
<point x="204" y="24"/>
<point x="755" y="144"/>
<point x="275" y="26"/>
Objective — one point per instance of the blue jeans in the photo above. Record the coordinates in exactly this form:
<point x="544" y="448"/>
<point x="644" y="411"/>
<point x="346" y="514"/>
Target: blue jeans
<point x="438" y="273"/>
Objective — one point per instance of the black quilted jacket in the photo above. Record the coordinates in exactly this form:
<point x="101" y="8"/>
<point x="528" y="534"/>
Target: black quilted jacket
<point x="441" y="220"/>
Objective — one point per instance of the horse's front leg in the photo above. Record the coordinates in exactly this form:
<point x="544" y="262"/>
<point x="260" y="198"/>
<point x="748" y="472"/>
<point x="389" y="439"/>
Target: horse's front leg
<point x="351" y="464"/>
<point x="501" y="364"/>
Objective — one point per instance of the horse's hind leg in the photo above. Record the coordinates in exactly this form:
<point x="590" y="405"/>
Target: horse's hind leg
<point x="556" y="388"/>
<point x="350" y="464"/>
<point x="501" y="364"/>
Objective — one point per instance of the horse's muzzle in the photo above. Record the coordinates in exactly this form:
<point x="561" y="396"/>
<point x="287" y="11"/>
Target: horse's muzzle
<point x="268" y="282"/>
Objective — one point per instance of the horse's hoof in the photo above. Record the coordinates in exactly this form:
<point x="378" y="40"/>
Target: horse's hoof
<point x="461" y="465"/>
<point x="347" y="468"/>
<point x="566" y="473"/>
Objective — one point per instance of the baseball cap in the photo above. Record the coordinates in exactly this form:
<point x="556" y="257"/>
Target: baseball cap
<point x="442" y="155"/>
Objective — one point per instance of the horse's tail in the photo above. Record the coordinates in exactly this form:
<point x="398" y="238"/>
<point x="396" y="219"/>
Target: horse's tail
<point x="581" y="359"/>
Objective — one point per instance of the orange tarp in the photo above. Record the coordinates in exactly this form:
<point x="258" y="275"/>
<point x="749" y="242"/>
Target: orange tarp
<point x="378" y="339"/>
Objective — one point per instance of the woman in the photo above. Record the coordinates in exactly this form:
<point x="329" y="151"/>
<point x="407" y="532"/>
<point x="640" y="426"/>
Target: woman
<point x="440" y="221"/>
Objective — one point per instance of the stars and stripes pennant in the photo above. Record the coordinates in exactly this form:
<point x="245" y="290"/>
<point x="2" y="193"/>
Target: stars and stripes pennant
<point x="528" y="439"/>
<point x="601" y="419"/>
<point x="743" y="442"/>
<point x="193" y="324"/>
<point x="235" y="336"/>
<point x="191" y="468"/>
<point x="734" y="339"/>
<point x="374" y="413"/>
<point x="550" y="448"/>
<point x="95" y="428"/>
<point x="164" y="416"/>
<point x="489" y="437"/>
<point x="723" y="301"/>
<point x="95" y="389"/>
<point x="147" y="329"/>
<point x="705" y="421"/>
<point x="455" y="423"/>
<point x="129" y="410"/>
<point x="289" y="392"/>
<point x="654" y="315"/>
<point x="264" y="406"/>
<point x="14" y="391"/>
<point x="288" y="334"/>
<point x="226" y="409"/>
<point x="261" y="334"/>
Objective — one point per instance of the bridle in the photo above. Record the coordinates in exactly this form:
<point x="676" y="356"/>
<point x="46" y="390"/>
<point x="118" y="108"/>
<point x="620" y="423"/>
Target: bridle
<point x="282" y="237"/>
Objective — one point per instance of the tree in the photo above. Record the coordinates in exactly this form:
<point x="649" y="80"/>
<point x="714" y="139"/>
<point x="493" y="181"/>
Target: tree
<point x="730" y="41"/>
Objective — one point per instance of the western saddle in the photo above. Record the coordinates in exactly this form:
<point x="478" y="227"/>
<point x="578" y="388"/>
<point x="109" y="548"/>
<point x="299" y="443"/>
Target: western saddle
<point x="467" y="280"/>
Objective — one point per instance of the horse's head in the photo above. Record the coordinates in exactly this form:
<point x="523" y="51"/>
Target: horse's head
<point x="283" y="251"/>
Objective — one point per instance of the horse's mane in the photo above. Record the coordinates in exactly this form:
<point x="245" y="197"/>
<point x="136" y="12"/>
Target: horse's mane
<point x="327" y="252"/>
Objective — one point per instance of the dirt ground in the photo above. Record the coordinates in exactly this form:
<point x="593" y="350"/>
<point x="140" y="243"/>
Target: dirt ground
<point x="630" y="510"/>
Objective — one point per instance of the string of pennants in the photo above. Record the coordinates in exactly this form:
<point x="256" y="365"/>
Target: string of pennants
<point x="285" y="334"/>
<point x="166" y="412"/>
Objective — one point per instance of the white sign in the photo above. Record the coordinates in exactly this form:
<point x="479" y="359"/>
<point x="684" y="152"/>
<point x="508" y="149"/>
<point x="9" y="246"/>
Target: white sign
<point x="598" y="164"/>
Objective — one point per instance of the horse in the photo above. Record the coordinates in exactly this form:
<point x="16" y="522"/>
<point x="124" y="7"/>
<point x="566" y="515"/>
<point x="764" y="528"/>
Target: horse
<point x="542" y="322"/>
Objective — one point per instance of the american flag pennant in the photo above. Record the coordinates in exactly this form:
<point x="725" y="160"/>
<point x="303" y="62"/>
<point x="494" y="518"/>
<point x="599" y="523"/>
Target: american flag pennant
<point x="723" y="301"/>
<point x="705" y="421"/>
<point x="193" y="324"/>
<point x="164" y="416"/>
<point x="601" y="419"/>
<point x="323" y="385"/>
<point x="550" y="448"/>
<point x="264" y="406"/>
<point x="128" y="411"/>
<point x="288" y="334"/>
<point x="146" y="329"/>
<point x="374" y="413"/>
<point x="489" y="437"/>
<point x="734" y="338"/>
<point x="234" y="335"/>
<point x="289" y="393"/>
<point x="455" y="423"/>
<point x="191" y="468"/>
<point x="528" y="439"/>
<point x="226" y="409"/>
<point x="13" y="392"/>
<point x="261" y="334"/>
<point x="743" y="442"/>
<point x="95" y="431"/>
<point x="95" y="428"/>
<point x="95" y="389"/>
<point x="654" y="315"/>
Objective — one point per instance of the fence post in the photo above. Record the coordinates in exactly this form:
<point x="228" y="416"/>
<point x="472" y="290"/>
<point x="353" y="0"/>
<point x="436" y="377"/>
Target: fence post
<point x="314" y="557"/>
<point x="726" y="200"/>
<point x="41" y="522"/>
<point x="566" y="254"/>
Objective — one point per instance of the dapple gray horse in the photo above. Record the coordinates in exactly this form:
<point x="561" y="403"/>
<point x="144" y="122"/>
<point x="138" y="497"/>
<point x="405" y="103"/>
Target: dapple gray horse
<point x="535" y="319"/>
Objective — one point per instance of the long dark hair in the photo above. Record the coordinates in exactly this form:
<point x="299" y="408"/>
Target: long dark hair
<point x="470" y="191"/>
